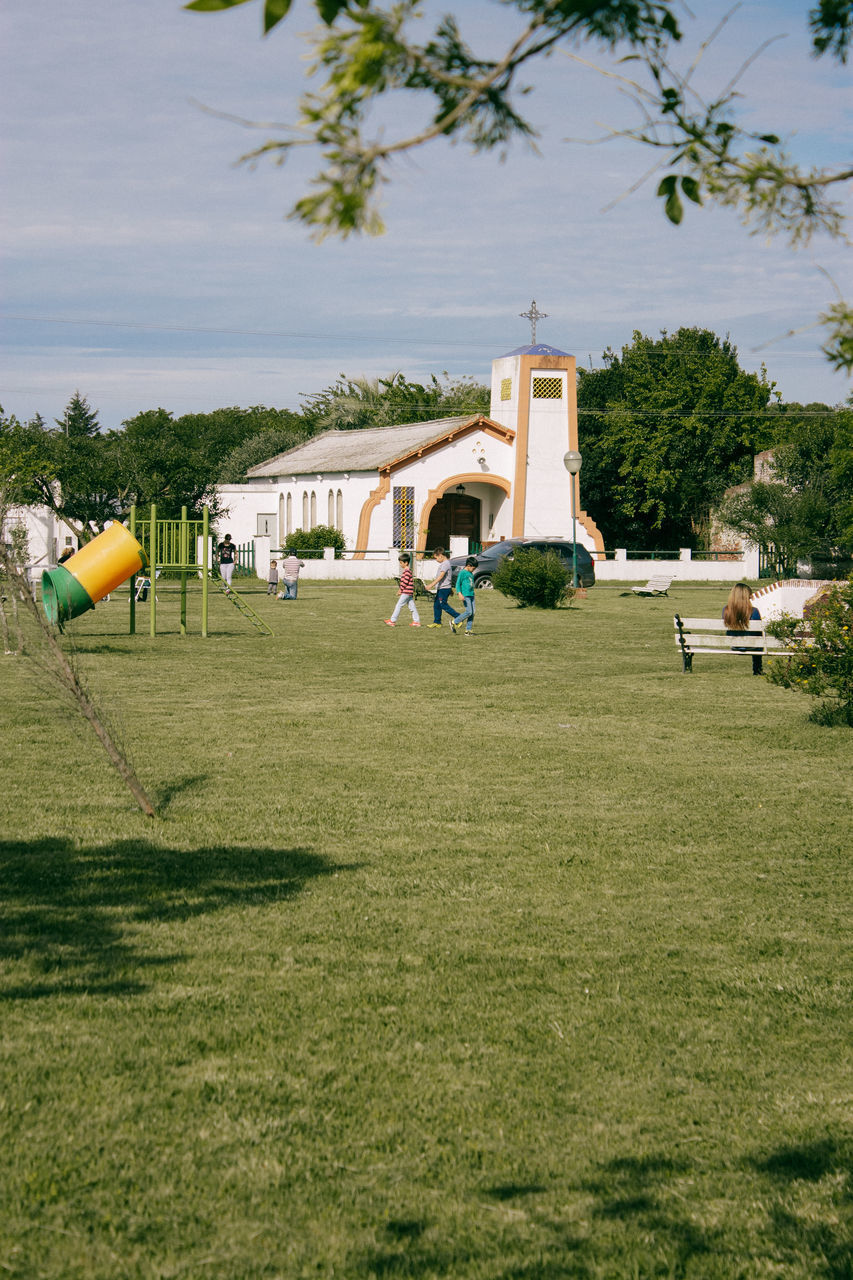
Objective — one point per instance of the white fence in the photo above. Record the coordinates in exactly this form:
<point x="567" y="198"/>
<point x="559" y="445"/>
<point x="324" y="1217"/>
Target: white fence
<point x="684" y="569"/>
<point x="384" y="564"/>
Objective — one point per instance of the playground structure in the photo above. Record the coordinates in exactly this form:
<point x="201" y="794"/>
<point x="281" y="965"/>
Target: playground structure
<point x="90" y="574"/>
<point x="148" y="546"/>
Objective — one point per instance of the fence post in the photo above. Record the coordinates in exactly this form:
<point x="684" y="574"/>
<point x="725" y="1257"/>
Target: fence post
<point x="132" y="527"/>
<point x="152" y="568"/>
<point x="205" y="566"/>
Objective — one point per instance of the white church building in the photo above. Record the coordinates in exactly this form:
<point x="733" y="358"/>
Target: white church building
<point x="460" y="483"/>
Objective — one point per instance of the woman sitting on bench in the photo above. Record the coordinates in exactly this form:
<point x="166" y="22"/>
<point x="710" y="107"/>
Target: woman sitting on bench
<point x="738" y="614"/>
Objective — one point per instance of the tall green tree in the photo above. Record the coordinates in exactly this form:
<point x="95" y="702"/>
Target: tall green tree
<point x="352" y="403"/>
<point x="25" y="459"/>
<point x="803" y="510"/>
<point x="177" y="462"/>
<point x="79" y="481"/>
<point x="367" y="53"/>
<point x="665" y="428"/>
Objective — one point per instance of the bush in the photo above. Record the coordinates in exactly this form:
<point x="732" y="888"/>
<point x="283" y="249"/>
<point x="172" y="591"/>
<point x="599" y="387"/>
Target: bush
<point x="322" y="535"/>
<point x="823" y="662"/>
<point x="531" y="578"/>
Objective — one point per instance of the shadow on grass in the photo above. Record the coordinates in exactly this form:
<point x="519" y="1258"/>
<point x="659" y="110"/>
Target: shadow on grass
<point x="66" y="909"/>
<point x="164" y="796"/>
<point x="640" y="1223"/>
<point x="827" y="1239"/>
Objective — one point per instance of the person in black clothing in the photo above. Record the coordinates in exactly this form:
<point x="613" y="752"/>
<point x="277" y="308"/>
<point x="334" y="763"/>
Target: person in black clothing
<point x="227" y="555"/>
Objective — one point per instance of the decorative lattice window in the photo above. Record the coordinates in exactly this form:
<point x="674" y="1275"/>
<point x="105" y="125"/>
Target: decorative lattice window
<point x="547" y="388"/>
<point x="506" y="388"/>
<point x="404" y="517"/>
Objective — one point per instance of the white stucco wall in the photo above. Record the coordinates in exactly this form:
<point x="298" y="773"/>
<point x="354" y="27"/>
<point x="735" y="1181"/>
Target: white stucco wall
<point x="243" y="503"/>
<point x="547" y="512"/>
<point x="473" y="460"/>
<point x="505" y="411"/>
<point x="47" y="537"/>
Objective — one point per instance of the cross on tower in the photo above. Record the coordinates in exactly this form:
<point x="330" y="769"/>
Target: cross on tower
<point x="533" y="315"/>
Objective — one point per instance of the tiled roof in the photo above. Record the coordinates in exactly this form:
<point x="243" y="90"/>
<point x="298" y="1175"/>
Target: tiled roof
<point x="366" y="450"/>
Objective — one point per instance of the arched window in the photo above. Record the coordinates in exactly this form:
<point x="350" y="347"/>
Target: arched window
<point x="339" y="521"/>
<point x="331" y="520"/>
<point x="282" y="532"/>
<point x="305" y="524"/>
<point x="289" y="525"/>
<point x="313" y="523"/>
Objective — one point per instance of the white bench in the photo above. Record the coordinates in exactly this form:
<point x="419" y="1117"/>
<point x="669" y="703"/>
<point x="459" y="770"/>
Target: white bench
<point x="656" y="586"/>
<point x="712" y="636"/>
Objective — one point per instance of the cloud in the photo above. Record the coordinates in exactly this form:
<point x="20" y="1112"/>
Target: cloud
<point x="122" y="203"/>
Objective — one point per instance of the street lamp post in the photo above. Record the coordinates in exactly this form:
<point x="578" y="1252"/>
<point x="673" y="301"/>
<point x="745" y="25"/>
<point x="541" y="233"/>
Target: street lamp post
<point x="572" y="462"/>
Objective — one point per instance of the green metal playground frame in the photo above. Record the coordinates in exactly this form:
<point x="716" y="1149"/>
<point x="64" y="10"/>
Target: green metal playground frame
<point x="183" y="547"/>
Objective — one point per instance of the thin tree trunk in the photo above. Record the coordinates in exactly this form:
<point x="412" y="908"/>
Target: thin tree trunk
<point x="65" y="674"/>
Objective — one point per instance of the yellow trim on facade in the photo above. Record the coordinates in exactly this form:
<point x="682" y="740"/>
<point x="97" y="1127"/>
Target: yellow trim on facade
<point x="381" y="491"/>
<point x="593" y="531"/>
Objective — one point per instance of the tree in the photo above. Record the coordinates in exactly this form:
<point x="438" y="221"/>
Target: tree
<point x="79" y="478"/>
<point x="352" y="403"/>
<point x="177" y="462"/>
<point x="822" y="662"/>
<point x="24" y="460"/>
<point x="804" y="511"/>
<point x="664" y="430"/>
<point x="368" y="53"/>
<point x="258" y="449"/>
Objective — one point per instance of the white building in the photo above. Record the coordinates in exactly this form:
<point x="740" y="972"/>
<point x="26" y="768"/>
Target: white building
<point x="46" y="535"/>
<point x="452" y="482"/>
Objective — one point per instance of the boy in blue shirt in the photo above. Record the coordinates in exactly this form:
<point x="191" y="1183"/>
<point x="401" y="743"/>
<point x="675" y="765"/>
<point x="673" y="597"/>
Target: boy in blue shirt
<point x="465" y="587"/>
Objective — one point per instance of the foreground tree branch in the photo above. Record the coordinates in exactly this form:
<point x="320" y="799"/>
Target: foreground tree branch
<point x="15" y="587"/>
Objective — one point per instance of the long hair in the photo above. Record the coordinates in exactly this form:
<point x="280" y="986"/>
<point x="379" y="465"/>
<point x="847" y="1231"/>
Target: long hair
<point x="738" y="607"/>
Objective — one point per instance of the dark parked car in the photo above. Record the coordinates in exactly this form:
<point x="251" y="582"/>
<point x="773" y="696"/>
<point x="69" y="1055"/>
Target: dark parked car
<point x="488" y="560"/>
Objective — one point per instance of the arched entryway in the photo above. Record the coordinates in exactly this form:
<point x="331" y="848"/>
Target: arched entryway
<point x="464" y="506"/>
<point x="455" y="515"/>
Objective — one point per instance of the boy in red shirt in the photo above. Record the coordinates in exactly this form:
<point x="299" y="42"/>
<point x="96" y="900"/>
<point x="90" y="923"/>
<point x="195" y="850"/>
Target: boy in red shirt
<point x="406" y="597"/>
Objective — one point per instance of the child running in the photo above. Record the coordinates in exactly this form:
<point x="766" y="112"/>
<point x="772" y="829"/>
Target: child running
<point x="406" y="597"/>
<point x="465" y="587"/>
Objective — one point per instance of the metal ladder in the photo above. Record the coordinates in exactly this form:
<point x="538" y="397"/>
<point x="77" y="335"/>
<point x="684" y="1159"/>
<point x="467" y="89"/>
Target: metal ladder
<point x="240" y="605"/>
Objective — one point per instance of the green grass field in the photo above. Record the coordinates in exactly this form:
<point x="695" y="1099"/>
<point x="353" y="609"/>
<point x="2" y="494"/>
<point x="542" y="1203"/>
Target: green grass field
<point x="515" y="958"/>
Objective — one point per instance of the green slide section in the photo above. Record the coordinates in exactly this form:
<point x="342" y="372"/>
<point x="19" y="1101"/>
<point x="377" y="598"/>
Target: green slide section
<point x="62" y="596"/>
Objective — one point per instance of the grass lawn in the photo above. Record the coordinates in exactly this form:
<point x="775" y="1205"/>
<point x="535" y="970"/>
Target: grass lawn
<point x="512" y="958"/>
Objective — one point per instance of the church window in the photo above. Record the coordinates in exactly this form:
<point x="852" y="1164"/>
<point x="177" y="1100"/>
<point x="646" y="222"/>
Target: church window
<point x="404" y="517"/>
<point x="547" y="388"/>
<point x="339" y="523"/>
<point x="305" y="524"/>
<point x="506" y="388"/>
<point x="289" y="525"/>
<point x="331" y="509"/>
<point x="313" y="524"/>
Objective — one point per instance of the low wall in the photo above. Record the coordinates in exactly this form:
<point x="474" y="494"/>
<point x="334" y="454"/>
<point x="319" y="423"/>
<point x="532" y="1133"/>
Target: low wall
<point x="382" y="565"/>
<point x="684" y="569"/>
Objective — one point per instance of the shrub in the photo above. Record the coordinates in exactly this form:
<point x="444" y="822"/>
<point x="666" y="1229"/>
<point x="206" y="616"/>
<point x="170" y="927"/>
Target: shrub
<point x="531" y="578"/>
<point x="322" y="535"/>
<point x="823" y="662"/>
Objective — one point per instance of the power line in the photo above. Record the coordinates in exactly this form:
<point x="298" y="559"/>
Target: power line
<point x="351" y="336"/>
<point x="243" y="333"/>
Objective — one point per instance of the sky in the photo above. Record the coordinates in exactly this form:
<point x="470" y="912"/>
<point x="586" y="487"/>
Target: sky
<point x="144" y="268"/>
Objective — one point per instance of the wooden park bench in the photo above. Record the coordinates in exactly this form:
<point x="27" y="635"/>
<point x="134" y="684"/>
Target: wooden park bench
<point x="711" y="636"/>
<point x="656" y="586"/>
